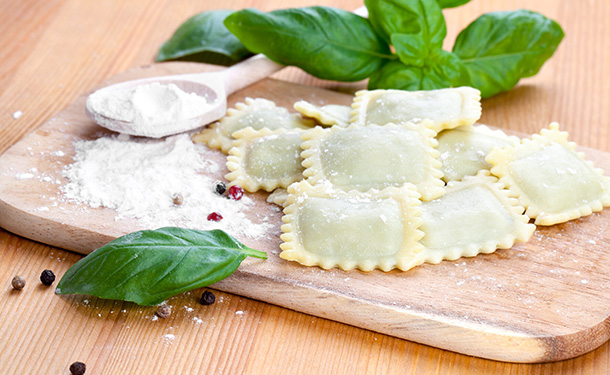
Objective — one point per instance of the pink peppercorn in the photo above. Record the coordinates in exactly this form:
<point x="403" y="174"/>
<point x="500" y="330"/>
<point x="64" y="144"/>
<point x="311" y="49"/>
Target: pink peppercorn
<point x="214" y="216"/>
<point x="236" y="192"/>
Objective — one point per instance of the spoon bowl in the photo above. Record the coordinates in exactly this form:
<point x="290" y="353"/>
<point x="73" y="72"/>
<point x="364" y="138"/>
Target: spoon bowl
<point x="214" y="87"/>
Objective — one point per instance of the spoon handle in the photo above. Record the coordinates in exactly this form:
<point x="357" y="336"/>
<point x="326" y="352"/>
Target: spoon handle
<point x="248" y="72"/>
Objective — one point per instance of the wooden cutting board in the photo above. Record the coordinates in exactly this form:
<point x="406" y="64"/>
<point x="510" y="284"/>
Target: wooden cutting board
<point x="544" y="300"/>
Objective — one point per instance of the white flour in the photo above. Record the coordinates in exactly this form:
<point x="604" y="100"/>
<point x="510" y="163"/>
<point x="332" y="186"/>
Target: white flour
<point x="139" y="178"/>
<point x="154" y="110"/>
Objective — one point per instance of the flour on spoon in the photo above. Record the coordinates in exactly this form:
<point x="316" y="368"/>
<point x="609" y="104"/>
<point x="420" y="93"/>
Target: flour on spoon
<point x="151" y="109"/>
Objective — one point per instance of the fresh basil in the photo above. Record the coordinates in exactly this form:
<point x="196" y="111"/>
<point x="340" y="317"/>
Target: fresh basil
<point x="500" y="48"/>
<point x="451" y="3"/>
<point x="396" y="75"/>
<point x="412" y="49"/>
<point x="326" y="42"/>
<point x="149" y="266"/>
<point x="204" y="38"/>
<point x="442" y="69"/>
<point x="420" y="17"/>
<point x="492" y="54"/>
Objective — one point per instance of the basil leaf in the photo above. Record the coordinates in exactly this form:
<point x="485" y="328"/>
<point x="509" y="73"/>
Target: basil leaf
<point x="449" y="67"/>
<point x="326" y="42"/>
<point x="411" y="48"/>
<point x="440" y="70"/>
<point x="451" y="3"/>
<point x="396" y="75"/>
<point x="204" y="38"/>
<point x="500" y="48"/>
<point x="422" y="17"/>
<point x="149" y="266"/>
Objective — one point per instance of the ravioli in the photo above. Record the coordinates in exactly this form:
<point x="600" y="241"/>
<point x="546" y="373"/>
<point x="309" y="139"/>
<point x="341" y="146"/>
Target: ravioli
<point x="278" y="196"/>
<point x="445" y="108"/>
<point x="373" y="157"/>
<point x="256" y="113"/>
<point x="463" y="149"/>
<point x="327" y="115"/>
<point x="264" y="158"/>
<point x="553" y="181"/>
<point x="333" y="228"/>
<point x="474" y="216"/>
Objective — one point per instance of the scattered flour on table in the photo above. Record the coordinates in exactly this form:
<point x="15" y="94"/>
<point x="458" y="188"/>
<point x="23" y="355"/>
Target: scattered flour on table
<point x="139" y="177"/>
<point x="152" y="109"/>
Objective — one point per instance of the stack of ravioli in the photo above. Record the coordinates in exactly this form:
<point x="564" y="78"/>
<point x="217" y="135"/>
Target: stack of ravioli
<point x="401" y="178"/>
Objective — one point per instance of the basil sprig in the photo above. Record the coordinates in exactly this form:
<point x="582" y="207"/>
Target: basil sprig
<point x="149" y="266"/>
<point x="492" y="54"/>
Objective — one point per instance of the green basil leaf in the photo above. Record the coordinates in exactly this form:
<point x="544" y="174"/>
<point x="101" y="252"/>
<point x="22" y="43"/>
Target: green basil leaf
<point x="396" y="75"/>
<point x="326" y="42"/>
<point x="440" y="70"/>
<point x="204" y="38"/>
<point x="411" y="48"/>
<point x="449" y="67"/>
<point x="500" y="48"/>
<point x="422" y="17"/>
<point x="149" y="266"/>
<point x="451" y="3"/>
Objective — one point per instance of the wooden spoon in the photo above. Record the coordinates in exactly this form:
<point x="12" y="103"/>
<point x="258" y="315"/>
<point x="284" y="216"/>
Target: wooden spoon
<point x="214" y="86"/>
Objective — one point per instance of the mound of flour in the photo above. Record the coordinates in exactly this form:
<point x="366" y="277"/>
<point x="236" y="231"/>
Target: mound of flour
<point x="139" y="178"/>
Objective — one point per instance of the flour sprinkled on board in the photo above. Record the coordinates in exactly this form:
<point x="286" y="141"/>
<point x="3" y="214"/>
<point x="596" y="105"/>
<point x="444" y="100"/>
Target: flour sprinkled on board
<point x="142" y="179"/>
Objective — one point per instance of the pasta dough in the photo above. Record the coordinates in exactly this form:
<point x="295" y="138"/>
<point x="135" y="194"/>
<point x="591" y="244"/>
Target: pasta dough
<point x="553" y="182"/>
<point x="445" y="108"/>
<point x="373" y="157"/>
<point x="265" y="159"/>
<point x="278" y="196"/>
<point x="328" y="115"/>
<point x="474" y="216"/>
<point x="333" y="228"/>
<point x="463" y="150"/>
<point x="255" y="113"/>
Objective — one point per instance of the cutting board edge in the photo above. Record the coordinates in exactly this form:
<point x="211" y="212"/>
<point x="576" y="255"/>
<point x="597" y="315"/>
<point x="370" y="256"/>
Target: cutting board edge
<point x="40" y="229"/>
<point x="418" y="326"/>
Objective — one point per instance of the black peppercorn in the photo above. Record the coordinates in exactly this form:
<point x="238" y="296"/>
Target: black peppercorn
<point x="47" y="277"/>
<point x="207" y="298"/>
<point x="164" y="311"/>
<point x="78" y="368"/>
<point x="220" y="187"/>
<point x="18" y="282"/>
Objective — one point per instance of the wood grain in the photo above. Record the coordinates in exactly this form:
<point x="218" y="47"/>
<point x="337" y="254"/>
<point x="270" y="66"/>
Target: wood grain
<point x="51" y="52"/>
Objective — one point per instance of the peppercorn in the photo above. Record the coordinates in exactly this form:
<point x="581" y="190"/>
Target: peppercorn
<point x="178" y="199"/>
<point x="236" y="192"/>
<point x="47" y="277"/>
<point x="18" y="282"/>
<point x="220" y="187"/>
<point x="207" y="298"/>
<point x="78" y="368"/>
<point x="164" y="311"/>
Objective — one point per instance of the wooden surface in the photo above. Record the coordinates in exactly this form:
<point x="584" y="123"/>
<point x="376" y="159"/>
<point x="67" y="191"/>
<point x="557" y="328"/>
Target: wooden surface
<point x="53" y="51"/>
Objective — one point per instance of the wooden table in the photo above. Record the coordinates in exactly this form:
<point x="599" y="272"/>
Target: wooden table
<point x="54" y="50"/>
